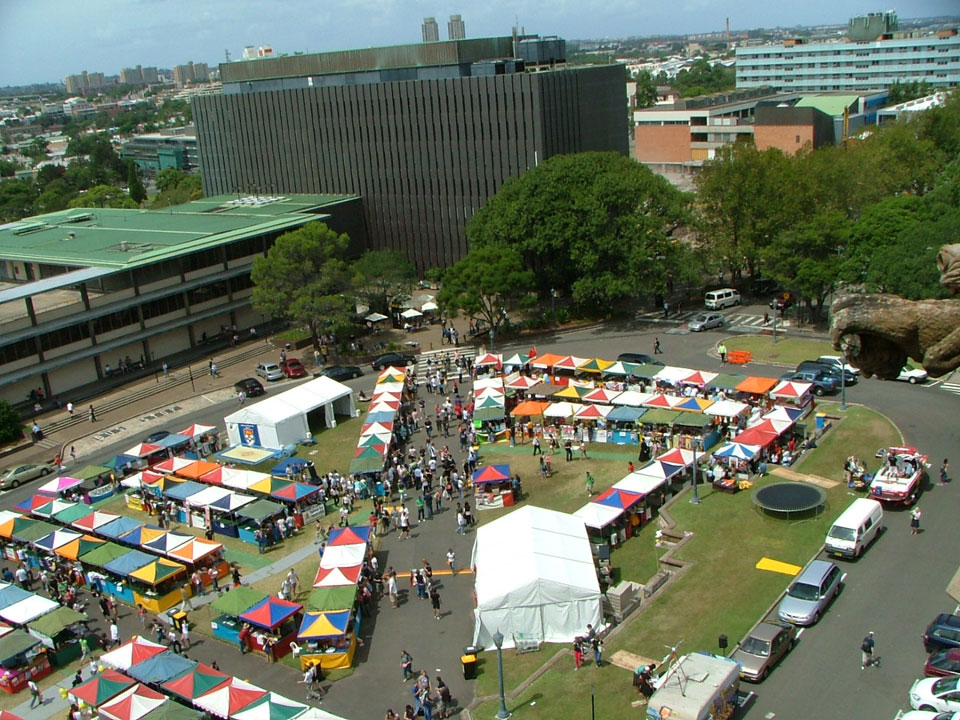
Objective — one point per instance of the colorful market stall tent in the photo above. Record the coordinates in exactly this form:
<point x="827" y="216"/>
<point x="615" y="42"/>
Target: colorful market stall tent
<point x="22" y="658"/>
<point x="60" y="631"/>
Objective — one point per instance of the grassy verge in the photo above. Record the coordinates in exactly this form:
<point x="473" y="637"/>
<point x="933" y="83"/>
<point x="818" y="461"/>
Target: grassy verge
<point x="787" y="351"/>
<point x="721" y="591"/>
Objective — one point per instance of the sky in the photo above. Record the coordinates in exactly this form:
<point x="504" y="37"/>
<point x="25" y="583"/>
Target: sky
<point x="45" y="40"/>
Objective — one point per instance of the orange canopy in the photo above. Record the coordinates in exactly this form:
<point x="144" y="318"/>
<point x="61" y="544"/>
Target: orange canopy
<point x="530" y="408"/>
<point x="546" y="361"/>
<point x="196" y="470"/>
<point x="757" y="385"/>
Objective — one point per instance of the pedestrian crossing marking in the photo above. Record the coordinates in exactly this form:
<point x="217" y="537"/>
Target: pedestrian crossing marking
<point x="729" y="321"/>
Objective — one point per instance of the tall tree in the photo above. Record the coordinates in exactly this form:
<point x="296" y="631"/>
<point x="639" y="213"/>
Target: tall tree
<point x="382" y="277"/>
<point x="138" y="193"/>
<point x="305" y="278"/>
<point x="104" y="196"/>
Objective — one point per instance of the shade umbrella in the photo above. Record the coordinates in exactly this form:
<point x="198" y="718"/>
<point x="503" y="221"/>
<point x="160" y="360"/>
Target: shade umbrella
<point x="59" y="485"/>
<point x="737" y="451"/>
<point x="132" y="653"/>
<point x="229" y="698"/>
<point x="323" y="625"/>
<point x="411" y="313"/>
<point x="623" y="499"/>
<point x="56" y="539"/>
<point x="196" y="682"/>
<point x="349" y="535"/>
<point x="101" y="687"/>
<point x="81" y="546"/>
<point x="337" y="577"/>
<point x="375" y="317"/>
<point x="270" y="612"/>
<point x="162" y="667"/>
<point x="132" y="704"/>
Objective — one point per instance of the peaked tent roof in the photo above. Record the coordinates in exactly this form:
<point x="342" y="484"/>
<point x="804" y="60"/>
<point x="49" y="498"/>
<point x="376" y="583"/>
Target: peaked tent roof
<point x="618" y="498"/>
<point x="56" y="621"/>
<point x="756" y="385"/>
<point x="270" y="707"/>
<point x="270" y="612"/>
<point x="195" y="549"/>
<point x="323" y="625"/>
<point x="132" y="704"/>
<point x="161" y="667"/>
<point x="260" y="510"/>
<point x="530" y="408"/>
<point x="597" y="516"/>
<point x="59" y="484"/>
<point x="237" y="601"/>
<point x="121" y="526"/>
<point x="131" y="653"/>
<point x="95" y="520"/>
<point x="128" y="562"/>
<point x="229" y="698"/>
<point x="80" y="546"/>
<point x="350" y="535"/>
<point x="156" y="572"/>
<point x="173" y="464"/>
<point x="337" y="577"/>
<point x="491" y="473"/>
<point x="103" y="554"/>
<point x="332" y="598"/>
<point x="101" y="687"/>
<point x="197" y="681"/>
<point x="58" y="538"/>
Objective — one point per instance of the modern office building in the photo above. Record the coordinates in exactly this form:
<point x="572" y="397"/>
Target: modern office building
<point x="430" y="30"/>
<point x="456" y="30"/>
<point x="852" y="66"/>
<point x="169" y="148"/>
<point x="423" y="133"/>
<point x="83" y="289"/>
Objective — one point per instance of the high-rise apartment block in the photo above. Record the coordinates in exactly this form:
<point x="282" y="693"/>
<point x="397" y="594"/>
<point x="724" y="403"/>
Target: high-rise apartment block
<point x="80" y="84"/>
<point x="191" y="73"/>
<point x="430" y="30"/>
<point x="424" y="133"/>
<point x="456" y="30"/>
<point x="138" y="75"/>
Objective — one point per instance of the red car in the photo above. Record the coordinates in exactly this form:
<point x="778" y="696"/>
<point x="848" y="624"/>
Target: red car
<point x="942" y="663"/>
<point x="293" y="368"/>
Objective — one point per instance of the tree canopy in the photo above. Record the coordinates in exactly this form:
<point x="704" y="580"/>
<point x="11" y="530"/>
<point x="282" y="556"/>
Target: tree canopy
<point x="383" y="277"/>
<point x="595" y="225"/>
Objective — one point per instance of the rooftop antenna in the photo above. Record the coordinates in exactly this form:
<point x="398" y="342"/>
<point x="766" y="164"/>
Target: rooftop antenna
<point x="226" y="55"/>
<point x="672" y="657"/>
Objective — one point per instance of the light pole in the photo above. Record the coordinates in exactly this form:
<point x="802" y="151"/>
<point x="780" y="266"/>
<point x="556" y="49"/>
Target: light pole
<point x="498" y="641"/>
<point x="553" y="302"/>
<point x="843" y="383"/>
<point x="774" y="321"/>
<point x="695" y="500"/>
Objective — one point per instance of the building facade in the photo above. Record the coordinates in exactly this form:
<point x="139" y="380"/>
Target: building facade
<point x="430" y="30"/>
<point x="424" y="133"/>
<point x="85" y="289"/>
<point x="852" y="66"/>
<point x="153" y="152"/>
<point x="456" y="29"/>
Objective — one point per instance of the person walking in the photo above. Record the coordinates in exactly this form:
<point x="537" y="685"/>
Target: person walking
<point x="435" y="602"/>
<point x="577" y="653"/>
<point x="915" y="516"/>
<point x="537" y="450"/>
<point x="406" y="665"/>
<point x="656" y="347"/>
<point x="590" y="484"/>
<point x="568" y="449"/>
<point x="597" y="644"/>
<point x="35" y="695"/>
<point x="944" y="472"/>
<point x="867" y="648"/>
<point x="114" y="634"/>
<point x="461" y="523"/>
<point x="392" y="590"/>
<point x="722" y="352"/>
<point x="451" y="561"/>
<point x="93" y="414"/>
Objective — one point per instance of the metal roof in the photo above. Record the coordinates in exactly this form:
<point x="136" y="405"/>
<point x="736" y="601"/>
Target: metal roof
<point x="74" y="277"/>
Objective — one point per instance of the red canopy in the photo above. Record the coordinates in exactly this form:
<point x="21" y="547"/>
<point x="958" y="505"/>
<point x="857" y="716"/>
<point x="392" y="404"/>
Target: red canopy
<point x="756" y="436"/>
<point x="347" y="536"/>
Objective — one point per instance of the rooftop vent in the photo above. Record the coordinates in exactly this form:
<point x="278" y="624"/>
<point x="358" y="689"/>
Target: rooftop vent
<point x="124" y="247"/>
<point x="29" y="227"/>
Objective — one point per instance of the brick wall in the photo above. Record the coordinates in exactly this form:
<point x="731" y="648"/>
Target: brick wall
<point x="662" y="143"/>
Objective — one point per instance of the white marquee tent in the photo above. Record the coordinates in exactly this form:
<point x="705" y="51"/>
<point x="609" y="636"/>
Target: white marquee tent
<point x="282" y="420"/>
<point x="534" y="576"/>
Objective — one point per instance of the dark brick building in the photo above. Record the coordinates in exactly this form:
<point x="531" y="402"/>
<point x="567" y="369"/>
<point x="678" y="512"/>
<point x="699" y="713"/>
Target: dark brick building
<point x="424" y="133"/>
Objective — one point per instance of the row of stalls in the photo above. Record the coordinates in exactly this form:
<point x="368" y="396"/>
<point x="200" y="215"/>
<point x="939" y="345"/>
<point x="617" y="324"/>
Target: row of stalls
<point x="36" y="636"/>
<point x="377" y="431"/>
<point x="143" y="680"/>
<point x="324" y="633"/>
<point x="194" y="441"/>
<point x="227" y="501"/>
<point x="137" y="563"/>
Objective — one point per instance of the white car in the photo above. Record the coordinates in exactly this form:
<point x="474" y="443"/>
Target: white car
<point x="940" y="694"/>
<point x="929" y="715"/>
<point x="912" y="375"/>
<point x="837" y="360"/>
<point x="269" y="371"/>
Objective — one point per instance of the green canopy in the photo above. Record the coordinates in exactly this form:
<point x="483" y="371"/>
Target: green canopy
<point x="174" y="711"/>
<point x="108" y="552"/>
<point x="646" y="370"/>
<point x="57" y="621"/>
<point x="726" y="381"/>
<point x="15" y="643"/>
<point x="73" y="514"/>
<point x="488" y="413"/>
<point x="91" y="472"/>
<point x="36" y="531"/>
<point x="694" y="420"/>
<point x="332" y="598"/>
<point x="660" y="416"/>
<point x="237" y="601"/>
<point x="259" y="510"/>
<point x="366" y="464"/>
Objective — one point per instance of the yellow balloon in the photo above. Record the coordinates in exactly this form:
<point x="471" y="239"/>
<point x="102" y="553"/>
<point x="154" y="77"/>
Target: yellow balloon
<point x="100" y="668"/>
<point x="63" y="693"/>
<point x="81" y="704"/>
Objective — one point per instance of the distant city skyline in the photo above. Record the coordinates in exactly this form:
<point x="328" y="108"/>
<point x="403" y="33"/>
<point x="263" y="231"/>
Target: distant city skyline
<point x="46" y="40"/>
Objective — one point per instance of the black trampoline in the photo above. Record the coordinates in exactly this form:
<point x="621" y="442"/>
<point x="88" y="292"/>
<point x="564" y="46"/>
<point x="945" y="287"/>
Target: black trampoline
<point x="789" y="499"/>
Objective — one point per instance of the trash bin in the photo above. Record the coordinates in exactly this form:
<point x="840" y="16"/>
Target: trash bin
<point x="469" y="663"/>
<point x="179" y="618"/>
<point x="821" y="420"/>
<point x="472" y="650"/>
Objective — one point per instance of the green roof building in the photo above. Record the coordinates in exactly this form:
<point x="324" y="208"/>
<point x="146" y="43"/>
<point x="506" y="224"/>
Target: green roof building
<point x="90" y="292"/>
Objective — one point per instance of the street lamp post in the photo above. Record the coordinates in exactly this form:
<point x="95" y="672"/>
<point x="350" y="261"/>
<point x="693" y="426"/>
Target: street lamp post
<point x="502" y="714"/>
<point x="843" y="383"/>
<point x="553" y="302"/>
<point x="774" y="322"/>
<point x="695" y="500"/>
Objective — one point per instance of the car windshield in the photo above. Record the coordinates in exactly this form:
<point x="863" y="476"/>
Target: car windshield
<point x="948" y="684"/>
<point x="700" y="318"/>
<point x="756" y="646"/>
<point x="804" y="591"/>
<point x="842" y="533"/>
<point x="944" y="661"/>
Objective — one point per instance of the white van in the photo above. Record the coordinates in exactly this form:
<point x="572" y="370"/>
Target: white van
<point x="699" y="686"/>
<point x="720" y="299"/>
<point x="855" y="528"/>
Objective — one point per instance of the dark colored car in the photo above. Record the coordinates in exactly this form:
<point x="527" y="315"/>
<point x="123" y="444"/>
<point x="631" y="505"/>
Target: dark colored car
<point x="832" y="370"/>
<point x="943" y="632"/>
<point x="782" y="300"/>
<point x="342" y="372"/>
<point x="393" y="360"/>
<point x="822" y="383"/>
<point x="763" y="648"/>
<point x="942" y="663"/>
<point x="293" y="368"/>
<point x="763" y="286"/>
<point x="638" y="358"/>
<point x="158" y="435"/>
<point x="250" y="387"/>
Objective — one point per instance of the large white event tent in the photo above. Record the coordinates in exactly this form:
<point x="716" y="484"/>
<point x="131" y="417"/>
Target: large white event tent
<point x="282" y="420"/>
<point x="534" y="576"/>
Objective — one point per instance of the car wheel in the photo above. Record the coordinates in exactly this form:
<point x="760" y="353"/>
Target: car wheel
<point x="816" y="617"/>
<point x="44" y="471"/>
<point x="792" y="643"/>
<point x="763" y="675"/>
<point x="912" y="381"/>
<point x="928" y="708"/>
<point x="14" y="484"/>
<point x="818" y="391"/>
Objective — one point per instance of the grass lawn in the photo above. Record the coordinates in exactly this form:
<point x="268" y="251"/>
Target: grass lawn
<point x="333" y="450"/>
<point x="787" y="351"/>
<point x="721" y="591"/>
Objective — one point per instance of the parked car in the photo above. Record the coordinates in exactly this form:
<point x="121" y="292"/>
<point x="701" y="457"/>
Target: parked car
<point x="705" y="321"/>
<point x="929" y="715"/>
<point x="942" y="694"/>
<point x="638" y="358"/>
<point x="831" y="369"/>
<point x="912" y="375"/>
<point x="392" y="360"/>
<point x="822" y="383"/>
<point x="342" y="372"/>
<point x="943" y="663"/>
<point x="782" y="300"/>
<point x="156" y="436"/>
<point x="807" y="598"/>
<point x="250" y="387"/>
<point x="19" y="474"/>
<point x="269" y="371"/>
<point x="293" y="368"/>
<point x="763" y="648"/>
<point x="943" y="632"/>
<point x="763" y="286"/>
<point x="835" y="360"/>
